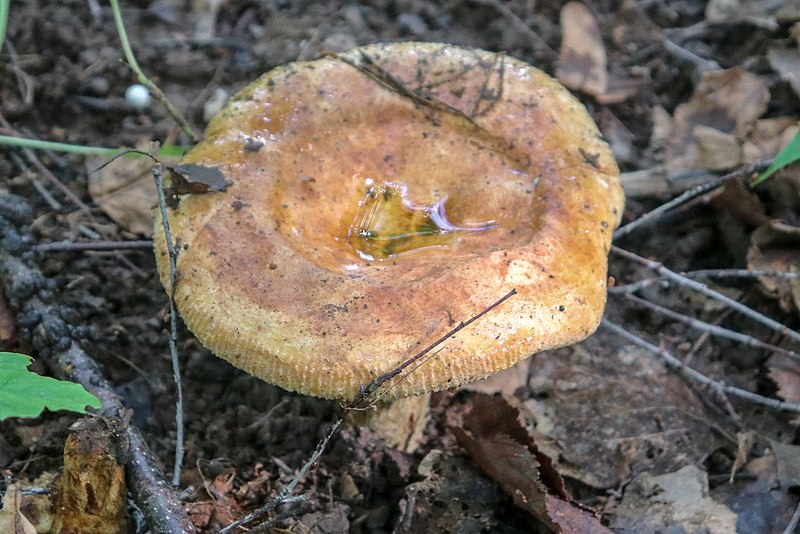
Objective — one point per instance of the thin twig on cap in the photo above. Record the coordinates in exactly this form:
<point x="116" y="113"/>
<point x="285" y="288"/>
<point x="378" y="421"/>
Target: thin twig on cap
<point x="693" y="374"/>
<point x="284" y="496"/>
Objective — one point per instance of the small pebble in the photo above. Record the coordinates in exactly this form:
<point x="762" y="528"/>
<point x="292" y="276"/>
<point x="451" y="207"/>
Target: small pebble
<point x="138" y="96"/>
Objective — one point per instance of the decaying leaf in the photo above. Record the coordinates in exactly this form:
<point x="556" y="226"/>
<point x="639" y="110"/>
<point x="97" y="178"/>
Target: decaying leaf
<point x="785" y="372"/>
<point x="499" y="444"/>
<point x="125" y="191"/>
<point x="452" y="496"/>
<point x="786" y="62"/>
<point x="762" y="14"/>
<point x="775" y="246"/>
<point x="788" y="462"/>
<point x="193" y="178"/>
<point x="672" y="502"/>
<point x="716" y="150"/>
<point x="608" y="412"/>
<point x="728" y="101"/>
<point x="582" y="61"/>
<point x="12" y="521"/>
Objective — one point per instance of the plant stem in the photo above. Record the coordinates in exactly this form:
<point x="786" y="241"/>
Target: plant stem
<point x="4" y="4"/>
<point x="144" y="80"/>
<point x="85" y="150"/>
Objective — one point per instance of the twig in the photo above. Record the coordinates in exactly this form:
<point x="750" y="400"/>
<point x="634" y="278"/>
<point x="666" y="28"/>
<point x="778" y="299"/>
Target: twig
<point x="144" y="80"/>
<point x="700" y="63"/>
<point x="284" y="496"/>
<point x="705" y="290"/>
<point x="744" y="339"/>
<point x="173" y="321"/>
<point x="790" y="528"/>
<point x="674" y="363"/>
<point x="378" y="382"/>
<point x="152" y="493"/>
<point x="80" y="246"/>
<point x="742" y="273"/>
<point x="537" y="42"/>
<point x="690" y="194"/>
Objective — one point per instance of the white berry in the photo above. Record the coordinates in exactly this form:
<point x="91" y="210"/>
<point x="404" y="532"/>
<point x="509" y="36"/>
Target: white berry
<point x="138" y="96"/>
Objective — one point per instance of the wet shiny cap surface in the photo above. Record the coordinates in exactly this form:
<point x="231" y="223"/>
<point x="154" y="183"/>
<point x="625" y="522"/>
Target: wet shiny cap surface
<point x="379" y="198"/>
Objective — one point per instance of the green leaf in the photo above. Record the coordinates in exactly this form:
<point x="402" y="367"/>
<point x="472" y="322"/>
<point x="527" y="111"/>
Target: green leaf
<point x="23" y="393"/>
<point x="787" y="156"/>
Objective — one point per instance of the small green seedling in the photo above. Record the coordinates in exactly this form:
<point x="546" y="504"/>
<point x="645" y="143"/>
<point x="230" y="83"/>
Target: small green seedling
<point x="787" y="156"/>
<point x="23" y="393"/>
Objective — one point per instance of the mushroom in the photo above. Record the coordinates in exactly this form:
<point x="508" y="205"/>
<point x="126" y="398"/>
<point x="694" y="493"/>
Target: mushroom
<point x="383" y="195"/>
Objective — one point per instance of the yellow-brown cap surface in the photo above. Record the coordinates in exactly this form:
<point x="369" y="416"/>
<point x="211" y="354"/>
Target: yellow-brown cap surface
<point x="379" y="198"/>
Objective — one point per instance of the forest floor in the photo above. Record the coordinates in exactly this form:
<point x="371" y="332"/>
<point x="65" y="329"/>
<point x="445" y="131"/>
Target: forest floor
<point x="683" y="91"/>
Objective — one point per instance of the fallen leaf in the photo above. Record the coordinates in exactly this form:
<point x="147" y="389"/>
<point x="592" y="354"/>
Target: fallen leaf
<point x="729" y="101"/>
<point x="672" y="502"/>
<point x="447" y="479"/>
<point x="785" y="372"/>
<point x="196" y="179"/>
<point x="788" y="461"/>
<point x="775" y="246"/>
<point x="582" y="61"/>
<point x="744" y="444"/>
<point x="125" y="191"/>
<point x="762" y="14"/>
<point x="607" y="412"/>
<point x="499" y="444"/>
<point x="716" y="150"/>
<point x="786" y="63"/>
<point x="11" y="519"/>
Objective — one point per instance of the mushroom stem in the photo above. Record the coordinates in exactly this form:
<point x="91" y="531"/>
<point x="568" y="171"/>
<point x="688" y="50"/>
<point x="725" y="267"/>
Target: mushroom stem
<point x="400" y="423"/>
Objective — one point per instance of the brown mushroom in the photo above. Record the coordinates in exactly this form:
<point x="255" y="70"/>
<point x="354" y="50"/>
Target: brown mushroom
<point x="383" y="195"/>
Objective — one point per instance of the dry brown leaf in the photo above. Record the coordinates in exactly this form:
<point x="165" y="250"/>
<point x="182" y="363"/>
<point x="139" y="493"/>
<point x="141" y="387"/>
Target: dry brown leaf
<point x="716" y="150"/>
<point x="672" y="502"/>
<point x="499" y="444"/>
<point x="744" y="444"/>
<point x="788" y="461"/>
<point x="742" y="204"/>
<point x="785" y="372"/>
<point x="786" y="63"/>
<point x="582" y="61"/>
<point x="768" y="137"/>
<point x="776" y="246"/>
<point x="11" y="519"/>
<point x="447" y="479"/>
<point x="603" y="396"/>
<point x="762" y="14"/>
<point x="728" y="101"/>
<point x="125" y="191"/>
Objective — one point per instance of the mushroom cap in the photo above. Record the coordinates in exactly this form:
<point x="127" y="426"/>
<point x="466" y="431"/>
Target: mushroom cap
<point x="381" y="196"/>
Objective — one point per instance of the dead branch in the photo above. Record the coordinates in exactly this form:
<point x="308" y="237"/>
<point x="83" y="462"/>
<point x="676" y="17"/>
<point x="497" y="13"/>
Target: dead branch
<point x="674" y="363"/>
<point x="47" y="332"/>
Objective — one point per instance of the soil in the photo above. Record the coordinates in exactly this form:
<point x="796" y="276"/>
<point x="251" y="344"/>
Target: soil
<point x="616" y="422"/>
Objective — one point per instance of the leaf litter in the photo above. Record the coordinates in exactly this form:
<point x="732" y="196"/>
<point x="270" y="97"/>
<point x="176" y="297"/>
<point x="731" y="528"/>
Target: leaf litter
<point x="615" y="423"/>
